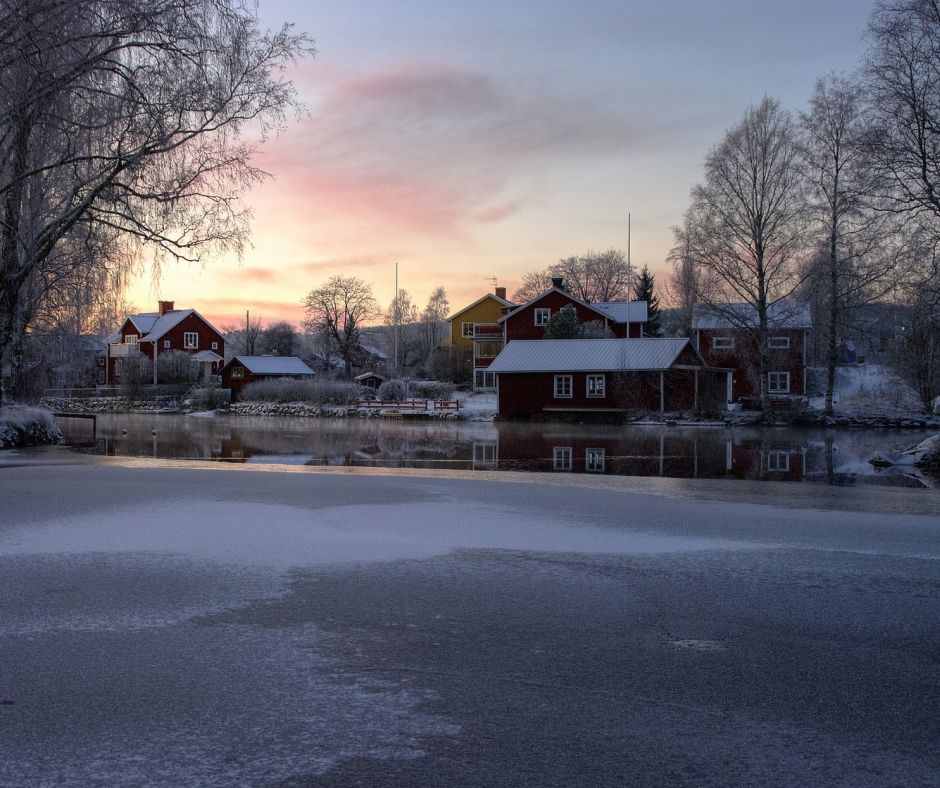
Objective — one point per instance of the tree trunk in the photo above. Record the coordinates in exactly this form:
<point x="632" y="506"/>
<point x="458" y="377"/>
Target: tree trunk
<point x="831" y="355"/>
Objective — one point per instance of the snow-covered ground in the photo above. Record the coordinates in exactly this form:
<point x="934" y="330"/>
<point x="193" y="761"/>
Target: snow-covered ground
<point x="477" y="405"/>
<point x="869" y="388"/>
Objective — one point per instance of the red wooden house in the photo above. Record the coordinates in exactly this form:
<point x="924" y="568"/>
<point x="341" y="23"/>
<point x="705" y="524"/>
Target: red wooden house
<point x="168" y="329"/>
<point x="597" y="376"/>
<point x="624" y="319"/>
<point x="726" y="336"/>
<point x="242" y="370"/>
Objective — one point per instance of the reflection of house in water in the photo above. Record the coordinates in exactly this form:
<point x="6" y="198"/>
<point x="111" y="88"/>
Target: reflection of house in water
<point x="638" y="451"/>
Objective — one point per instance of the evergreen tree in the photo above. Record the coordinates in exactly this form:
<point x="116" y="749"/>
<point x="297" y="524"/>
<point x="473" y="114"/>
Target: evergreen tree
<point x="563" y="324"/>
<point x="645" y="291"/>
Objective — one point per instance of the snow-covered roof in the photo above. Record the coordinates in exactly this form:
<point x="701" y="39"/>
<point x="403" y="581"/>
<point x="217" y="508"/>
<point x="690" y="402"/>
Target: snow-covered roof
<point x="205" y="355"/>
<point x="618" y="311"/>
<point x="372" y="350"/>
<point x="480" y="300"/>
<point x="165" y="323"/>
<point x="623" y="311"/>
<point x="274" y="365"/>
<point x="365" y="375"/>
<point x="144" y="321"/>
<point x="781" y="314"/>
<point x="588" y="355"/>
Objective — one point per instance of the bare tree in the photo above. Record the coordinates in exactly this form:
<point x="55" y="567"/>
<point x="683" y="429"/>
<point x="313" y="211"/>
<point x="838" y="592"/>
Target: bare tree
<point x="279" y="339"/>
<point x="594" y="276"/>
<point x="243" y="339"/>
<point x="682" y="291"/>
<point x="403" y="322"/>
<point x="534" y="283"/>
<point x="336" y="312"/>
<point x="750" y="229"/>
<point x="126" y="117"/>
<point x="435" y="318"/>
<point x="852" y="267"/>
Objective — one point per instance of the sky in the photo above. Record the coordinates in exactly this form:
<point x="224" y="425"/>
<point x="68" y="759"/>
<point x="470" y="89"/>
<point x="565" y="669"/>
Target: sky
<point x="473" y="140"/>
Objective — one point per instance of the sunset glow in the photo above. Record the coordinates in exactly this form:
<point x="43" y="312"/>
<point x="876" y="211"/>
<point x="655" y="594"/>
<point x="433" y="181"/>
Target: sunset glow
<point x="477" y="141"/>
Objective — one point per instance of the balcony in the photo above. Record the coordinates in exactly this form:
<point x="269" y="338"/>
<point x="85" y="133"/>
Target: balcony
<point x="487" y="331"/>
<point x="122" y="350"/>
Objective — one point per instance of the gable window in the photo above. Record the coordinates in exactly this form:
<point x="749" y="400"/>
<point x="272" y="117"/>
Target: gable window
<point x="596" y="385"/>
<point x="131" y="339"/>
<point x="190" y="340"/>
<point x="542" y="314"/>
<point x="778" y="382"/>
<point x="561" y="458"/>
<point x="594" y="460"/>
<point x="778" y="343"/>
<point x="166" y="344"/>
<point x="722" y="343"/>
<point x="215" y="345"/>
<point x="778" y="461"/>
<point x="238" y="373"/>
<point x="467" y="329"/>
<point x="562" y="386"/>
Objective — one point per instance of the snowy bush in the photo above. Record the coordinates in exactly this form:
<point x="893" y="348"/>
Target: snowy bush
<point x="392" y="390"/>
<point x="319" y="392"/>
<point x="431" y="389"/>
<point x="24" y="426"/>
<point x="210" y="398"/>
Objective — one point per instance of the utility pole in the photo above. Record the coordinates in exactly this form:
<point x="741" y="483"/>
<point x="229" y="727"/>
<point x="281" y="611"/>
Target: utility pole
<point x="397" y="316"/>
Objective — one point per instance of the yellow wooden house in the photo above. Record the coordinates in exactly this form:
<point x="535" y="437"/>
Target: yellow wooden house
<point x="475" y="334"/>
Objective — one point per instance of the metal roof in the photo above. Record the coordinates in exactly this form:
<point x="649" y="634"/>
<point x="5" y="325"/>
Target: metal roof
<point x="144" y="321"/>
<point x="274" y="365"/>
<point x="588" y="355"/>
<point x="623" y="311"/>
<point x="780" y="314"/>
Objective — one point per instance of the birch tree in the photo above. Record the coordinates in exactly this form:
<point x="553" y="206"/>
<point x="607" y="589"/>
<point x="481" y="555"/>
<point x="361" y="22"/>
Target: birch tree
<point x="337" y="311"/>
<point x="132" y="117"/>
<point x="853" y="266"/>
<point x="750" y="229"/>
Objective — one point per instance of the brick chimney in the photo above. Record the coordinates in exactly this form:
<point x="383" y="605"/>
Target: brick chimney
<point x="559" y="282"/>
<point x="165" y="306"/>
<point x="501" y="293"/>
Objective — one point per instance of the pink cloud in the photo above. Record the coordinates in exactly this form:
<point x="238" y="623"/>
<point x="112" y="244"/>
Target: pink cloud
<point x="433" y="150"/>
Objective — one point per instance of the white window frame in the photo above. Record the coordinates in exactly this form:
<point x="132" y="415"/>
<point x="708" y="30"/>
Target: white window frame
<point x="563" y="383"/>
<point x="778" y="343"/>
<point x="594" y="460"/>
<point x="467" y="330"/>
<point x="599" y="388"/>
<point x="722" y="343"/>
<point x="778" y="389"/>
<point x="541" y="315"/>
<point x="131" y="339"/>
<point x="166" y="344"/>
<point x="215" y="345"/>
<point x="191" y="340"/>
<point x="484" y="454"/>
<point x="561" y="458"/>
<point x="778" y="461"/>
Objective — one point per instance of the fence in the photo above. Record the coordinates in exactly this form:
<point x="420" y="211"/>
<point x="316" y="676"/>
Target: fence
<point x="409" y="404"/>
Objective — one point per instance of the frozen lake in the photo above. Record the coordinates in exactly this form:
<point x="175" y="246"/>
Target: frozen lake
<point x="748" y="453"/>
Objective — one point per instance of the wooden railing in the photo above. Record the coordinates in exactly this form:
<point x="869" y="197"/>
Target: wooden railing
<point x="413" y="405"/>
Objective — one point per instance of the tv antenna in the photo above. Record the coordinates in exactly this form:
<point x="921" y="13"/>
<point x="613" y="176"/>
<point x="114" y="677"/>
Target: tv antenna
<point x="492" y="280"/>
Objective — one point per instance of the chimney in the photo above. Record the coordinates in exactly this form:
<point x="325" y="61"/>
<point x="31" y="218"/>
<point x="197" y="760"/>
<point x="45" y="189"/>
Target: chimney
<point x="165" y="306"/>
<point x="559" y="282"/>
<point x="501" y="293"/>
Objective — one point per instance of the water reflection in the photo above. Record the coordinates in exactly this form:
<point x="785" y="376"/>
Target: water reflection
<point x="772" y="454"/>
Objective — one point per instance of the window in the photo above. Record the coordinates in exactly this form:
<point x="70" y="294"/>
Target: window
<point x="166" y="344"/>
<point x="190" y="340"/>
<point x="130" y="339"/>
<point x="215" y="345"/>
<point x="484" y="454"/>
<point x="778" y="461"/>
<point x="722" y="343"/>
<point x="595" y="385"/>
<point x="238" y="373"/>
<point x="484" y="380"/>
<point x="542" y="314"/>
<point x="467" y="329"/>
<point x="778" y="382"/>
<point x="562" y="386"/>
<point x="594" y="460"/>
<point x="561" y="458"/>
<point x="778" y="343"/>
